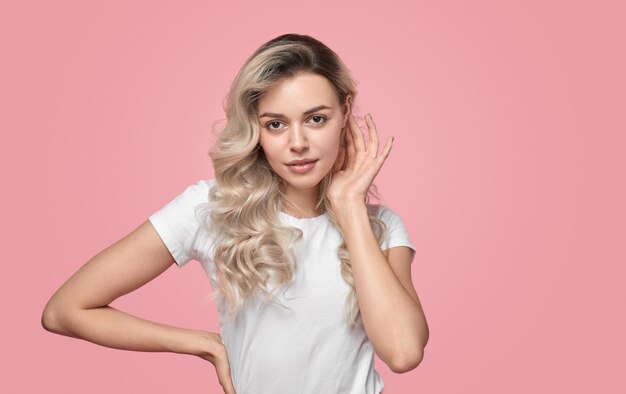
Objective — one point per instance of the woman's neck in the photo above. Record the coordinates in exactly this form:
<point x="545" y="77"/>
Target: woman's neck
<point x="301" y="203"/>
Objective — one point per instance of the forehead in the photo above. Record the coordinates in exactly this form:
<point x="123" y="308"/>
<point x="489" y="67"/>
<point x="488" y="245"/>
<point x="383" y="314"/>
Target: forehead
<point x="297" y="94"/>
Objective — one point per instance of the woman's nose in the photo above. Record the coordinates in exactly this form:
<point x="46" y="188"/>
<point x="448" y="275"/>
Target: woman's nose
<point x="297" y="139"/>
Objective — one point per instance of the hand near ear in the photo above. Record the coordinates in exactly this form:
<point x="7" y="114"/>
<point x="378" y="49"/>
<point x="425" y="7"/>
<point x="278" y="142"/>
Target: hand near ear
<point x="357" y="164"/>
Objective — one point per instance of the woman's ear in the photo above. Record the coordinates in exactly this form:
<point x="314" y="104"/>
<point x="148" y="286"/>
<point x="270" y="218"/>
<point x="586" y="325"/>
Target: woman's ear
<point x="347" y="108"/>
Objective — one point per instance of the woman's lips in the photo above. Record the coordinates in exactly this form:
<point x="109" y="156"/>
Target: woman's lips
<point x="302" y="167"/>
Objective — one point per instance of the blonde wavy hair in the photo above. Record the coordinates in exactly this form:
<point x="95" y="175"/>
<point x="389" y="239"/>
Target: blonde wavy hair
<point x="254" y="247"/>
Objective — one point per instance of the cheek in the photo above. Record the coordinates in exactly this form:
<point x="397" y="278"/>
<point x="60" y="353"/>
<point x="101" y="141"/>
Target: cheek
<point x="268" y="145"/>
<point x="332" y="145"/>
<point x="270" y="155"/>
<point x="338" y="139"/>
<point x="336" y="147"/>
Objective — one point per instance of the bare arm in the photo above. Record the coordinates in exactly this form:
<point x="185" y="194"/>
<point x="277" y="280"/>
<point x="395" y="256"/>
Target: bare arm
<point x="80" y="308"/>
<point x="390" y="309"/>
<point x="392" y="315"/>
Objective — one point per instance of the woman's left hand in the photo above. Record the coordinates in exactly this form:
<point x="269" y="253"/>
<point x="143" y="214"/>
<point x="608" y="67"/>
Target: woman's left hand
<point x="357" y="164"/>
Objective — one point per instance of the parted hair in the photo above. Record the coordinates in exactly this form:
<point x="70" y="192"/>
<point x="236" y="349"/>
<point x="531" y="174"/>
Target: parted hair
<point x="254" y="249"/>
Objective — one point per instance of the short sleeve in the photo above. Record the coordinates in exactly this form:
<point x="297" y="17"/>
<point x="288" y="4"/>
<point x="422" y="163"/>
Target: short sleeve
<point x="178" y="224"/>
<point x="397" y="234"/>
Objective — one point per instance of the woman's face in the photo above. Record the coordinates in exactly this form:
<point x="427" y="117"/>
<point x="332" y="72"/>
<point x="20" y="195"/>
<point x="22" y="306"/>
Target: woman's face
<point x="300" y="129"/>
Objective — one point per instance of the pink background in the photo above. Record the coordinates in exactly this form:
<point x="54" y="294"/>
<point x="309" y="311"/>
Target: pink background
<point x="508" y="169"/>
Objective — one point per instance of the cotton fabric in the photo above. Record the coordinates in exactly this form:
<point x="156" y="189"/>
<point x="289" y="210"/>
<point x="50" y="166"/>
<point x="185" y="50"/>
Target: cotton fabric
<point x="306" y="346"/>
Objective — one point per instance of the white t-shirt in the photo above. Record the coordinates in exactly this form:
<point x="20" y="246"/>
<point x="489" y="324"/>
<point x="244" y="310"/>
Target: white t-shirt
<point x="307" y="347"/>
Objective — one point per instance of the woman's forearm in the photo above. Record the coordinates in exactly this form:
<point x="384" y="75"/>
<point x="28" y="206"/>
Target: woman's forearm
<point x="393" y="320"/>
<point x="113" y="328"/>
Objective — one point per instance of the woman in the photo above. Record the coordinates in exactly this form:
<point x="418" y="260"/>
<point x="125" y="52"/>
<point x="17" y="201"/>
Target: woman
<point x="310" y="279"/>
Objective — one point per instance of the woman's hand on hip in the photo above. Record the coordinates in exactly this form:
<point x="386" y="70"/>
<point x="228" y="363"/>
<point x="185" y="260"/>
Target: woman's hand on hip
<point x="215" y="352"/>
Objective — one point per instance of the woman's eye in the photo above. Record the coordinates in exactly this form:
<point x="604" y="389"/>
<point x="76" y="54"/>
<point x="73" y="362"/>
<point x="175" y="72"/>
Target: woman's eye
<point x="274" y="125"/>
<point x="318" y="119"/>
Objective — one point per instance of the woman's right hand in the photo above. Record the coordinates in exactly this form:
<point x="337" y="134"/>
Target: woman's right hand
<point x="217" y="355"/>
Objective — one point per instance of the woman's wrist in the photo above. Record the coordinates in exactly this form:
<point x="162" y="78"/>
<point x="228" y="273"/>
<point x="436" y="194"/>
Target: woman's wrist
<point x="200" y="343"/>
<point x="349" y="210"/>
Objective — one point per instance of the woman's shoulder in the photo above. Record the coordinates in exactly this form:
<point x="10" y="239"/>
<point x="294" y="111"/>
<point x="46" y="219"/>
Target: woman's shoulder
<point x="396" y="233"/>
<point x="202" y="185"/>
<point x="179" y="223"/>
<point x="383" y="212"/>
<point x="184" y="207"/>
<point x="197" y="192"/>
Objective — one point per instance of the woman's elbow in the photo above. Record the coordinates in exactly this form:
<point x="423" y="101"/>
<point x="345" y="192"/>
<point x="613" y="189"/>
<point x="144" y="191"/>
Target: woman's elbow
<point x="52" y="318"/>
<point x="407" y="362"/>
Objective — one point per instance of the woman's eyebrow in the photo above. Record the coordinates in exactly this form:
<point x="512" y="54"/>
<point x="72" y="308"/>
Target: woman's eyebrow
<point x="307" y="112"/>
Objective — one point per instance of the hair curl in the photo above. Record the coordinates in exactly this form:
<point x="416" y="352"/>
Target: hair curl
<point x="254" y="247"/>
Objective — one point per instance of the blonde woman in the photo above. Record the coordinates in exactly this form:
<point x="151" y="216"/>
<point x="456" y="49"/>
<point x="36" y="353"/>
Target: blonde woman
<point x="309" y="279"/>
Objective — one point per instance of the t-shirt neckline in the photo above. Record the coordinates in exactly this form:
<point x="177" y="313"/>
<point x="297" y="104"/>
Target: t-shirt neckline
<point x="294" y="219"/>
